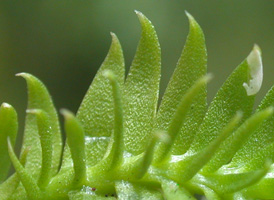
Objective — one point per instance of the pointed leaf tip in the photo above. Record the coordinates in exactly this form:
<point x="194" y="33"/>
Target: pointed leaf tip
<point x="21" y="74"/>
<point x="190" y="17"/>
<point x="138" y="13"/>
<point x="142" y="18"/>
<point x="115" y="39"/>
<point x="254" y="61"/>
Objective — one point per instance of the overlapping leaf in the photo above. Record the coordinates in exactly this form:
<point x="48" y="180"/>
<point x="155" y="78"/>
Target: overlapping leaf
<point x="39" y="98"/>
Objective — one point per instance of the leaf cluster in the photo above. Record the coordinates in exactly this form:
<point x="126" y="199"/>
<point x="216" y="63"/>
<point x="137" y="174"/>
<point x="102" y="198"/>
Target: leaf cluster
<point x="121" y="144"/>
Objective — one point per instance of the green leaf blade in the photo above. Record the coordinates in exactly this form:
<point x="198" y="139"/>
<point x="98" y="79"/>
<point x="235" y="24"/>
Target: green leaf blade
<point x="191" y="66"/>
<point x="76" y="143"/>
<point x="226" y="103"/>
<point x="142" y="89"/>
<point x="258" y="147"/>
<point x="8" y="128"/>
<point x="45" y="133"/>
<point x="230" y="183"/>
<point x="96" y="112"/>
<point x="39" y="98"/>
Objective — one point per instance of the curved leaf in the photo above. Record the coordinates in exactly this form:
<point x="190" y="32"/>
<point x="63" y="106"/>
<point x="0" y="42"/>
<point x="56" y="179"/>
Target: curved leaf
<point x="237" y="139"/>
<point x="142" y="89"/>
<point x="27" y="180"/>
<point x="258" y="147"/>
<point x="226" y="103"/>
<point x="191" y="66"/>
<point x="76" y="143"/>
<point x="8" y="128"/>
<point x="230" y="183"/>
<point x="96" y="112"/>
<point x="39" y="98"/>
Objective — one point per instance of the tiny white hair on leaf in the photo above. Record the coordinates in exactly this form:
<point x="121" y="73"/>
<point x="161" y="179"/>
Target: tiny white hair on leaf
<point x="255" y="64"/>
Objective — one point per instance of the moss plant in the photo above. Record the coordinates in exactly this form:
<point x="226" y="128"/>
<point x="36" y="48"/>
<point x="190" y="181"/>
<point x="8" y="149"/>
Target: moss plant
<point x="120" y="144"/>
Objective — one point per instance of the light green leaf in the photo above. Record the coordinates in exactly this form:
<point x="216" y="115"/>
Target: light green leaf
<point x="204" y="156"/>
<point x="191" y="66"/>
<point x="45" y="133"/>
<point x="76" y="142"/>
<point x="260" y="145"/>
<point x="27" y="180"/>
<point x="226" y="103"/>
<point x="8" y="128"/>
<point x="237" y="139"/>
<point x="117" y="144"/>
<point x="179" y="117"/>
<point x="142" y="89"/>
<point x="39" y="98"/>
<point x="263" y="189"/>
<point x="8" y="188"/>
<point x="224" y="183"/>
<point x="96" y="112"/>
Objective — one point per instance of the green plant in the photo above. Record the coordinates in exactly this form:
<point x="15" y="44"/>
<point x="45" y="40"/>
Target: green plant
<point x="120" y="145"/>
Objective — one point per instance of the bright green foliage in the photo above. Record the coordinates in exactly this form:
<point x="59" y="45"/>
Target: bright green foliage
<point x="121" y="145"/>
<point x="8" y="128"/>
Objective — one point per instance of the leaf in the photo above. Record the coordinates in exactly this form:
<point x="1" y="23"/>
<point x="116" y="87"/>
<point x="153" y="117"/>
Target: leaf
<point x="263" y="189"/>
<point x="179" y="117"/>
<point x="190" y="67"/>
<point x="8" y="128"/>
<point x="27" y="180"/>
<point x="76" y="143"/>
<point x="237" y="139"/>
<point x="117" y="144"/>
<point x="39" y="98"/>
<point x="96" y="112"/>
<point x="142" y="89"/>
<point x="200" y="159"/>
<point x="226" y="103"/>
<point x="229" y="183"/>
<point x="8" y="188"/>
<point x="45" y="133"/>
<point x="259" y="146"/>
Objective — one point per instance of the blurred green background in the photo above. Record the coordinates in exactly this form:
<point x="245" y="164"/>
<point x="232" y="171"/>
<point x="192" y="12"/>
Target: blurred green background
<point x="63" y="42"/>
